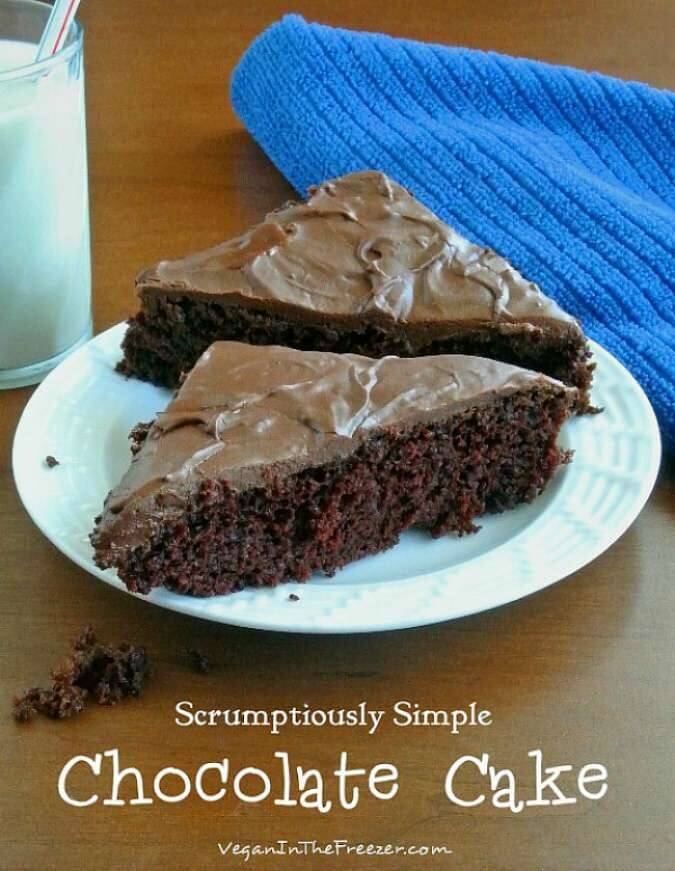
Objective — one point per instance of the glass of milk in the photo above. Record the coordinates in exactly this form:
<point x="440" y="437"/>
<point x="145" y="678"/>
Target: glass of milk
<point x="45" y="272"/>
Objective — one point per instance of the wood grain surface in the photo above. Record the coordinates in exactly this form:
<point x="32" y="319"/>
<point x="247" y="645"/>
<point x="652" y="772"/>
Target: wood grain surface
<point x="583" y="670"/>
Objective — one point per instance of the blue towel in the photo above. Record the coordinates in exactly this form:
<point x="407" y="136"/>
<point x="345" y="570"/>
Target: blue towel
<point x="570" y="175"/>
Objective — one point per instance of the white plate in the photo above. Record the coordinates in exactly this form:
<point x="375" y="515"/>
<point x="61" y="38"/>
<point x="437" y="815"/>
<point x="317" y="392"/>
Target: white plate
<point x="83" y="412"/>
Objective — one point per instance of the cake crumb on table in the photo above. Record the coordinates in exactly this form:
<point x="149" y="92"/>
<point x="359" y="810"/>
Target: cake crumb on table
<point x="105" y="672"/>
<point x="199" y="662"/>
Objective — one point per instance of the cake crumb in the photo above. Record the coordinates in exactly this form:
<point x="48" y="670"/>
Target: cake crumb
<point x="103" y="672"/>
<point x="199" y="662"/>
<point x="51" y="461"/>
<point x="138" y="435"/>
<point x="26" y="704"/>
<point x="293" y="598"/>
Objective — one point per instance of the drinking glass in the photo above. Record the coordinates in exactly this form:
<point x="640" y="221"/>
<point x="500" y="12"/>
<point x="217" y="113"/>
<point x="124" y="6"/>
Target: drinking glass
<point x="45" y="271"/>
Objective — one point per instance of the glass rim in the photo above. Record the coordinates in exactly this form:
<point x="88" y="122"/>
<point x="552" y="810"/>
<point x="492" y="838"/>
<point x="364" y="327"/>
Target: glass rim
<point x="73" y="46"/>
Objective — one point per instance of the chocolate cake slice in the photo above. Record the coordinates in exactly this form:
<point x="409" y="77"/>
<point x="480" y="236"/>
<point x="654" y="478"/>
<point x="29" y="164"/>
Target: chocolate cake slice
<point x="362" y="267"/>
<point x="271" y="464"/>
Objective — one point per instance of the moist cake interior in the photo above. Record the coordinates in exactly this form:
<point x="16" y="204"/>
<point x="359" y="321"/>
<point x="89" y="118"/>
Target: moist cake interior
<point x="272" y="464"/>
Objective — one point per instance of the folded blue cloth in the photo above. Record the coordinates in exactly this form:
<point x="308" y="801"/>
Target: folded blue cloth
<point x="570" y="175"/>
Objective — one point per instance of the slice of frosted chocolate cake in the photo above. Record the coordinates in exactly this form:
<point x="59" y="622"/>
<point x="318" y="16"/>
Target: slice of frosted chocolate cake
<point x="362" y="267"/>
<point x="271" y="464"/>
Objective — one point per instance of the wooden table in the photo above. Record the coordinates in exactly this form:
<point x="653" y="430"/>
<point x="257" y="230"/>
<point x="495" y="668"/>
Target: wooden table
<point x="582" y="670"/>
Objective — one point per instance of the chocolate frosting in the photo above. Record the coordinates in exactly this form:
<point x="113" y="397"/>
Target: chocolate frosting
<point x="245" y="412"/>
<point x="363" y="248"/>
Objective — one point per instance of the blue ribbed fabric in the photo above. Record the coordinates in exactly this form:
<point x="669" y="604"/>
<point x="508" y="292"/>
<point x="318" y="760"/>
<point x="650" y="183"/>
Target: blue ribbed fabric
<point x="570" y="175"/>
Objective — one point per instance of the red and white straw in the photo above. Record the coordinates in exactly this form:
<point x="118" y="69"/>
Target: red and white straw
<point x="56" y="31"/>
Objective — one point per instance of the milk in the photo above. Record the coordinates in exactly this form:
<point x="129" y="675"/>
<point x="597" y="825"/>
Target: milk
<point x="45" y="276"/>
